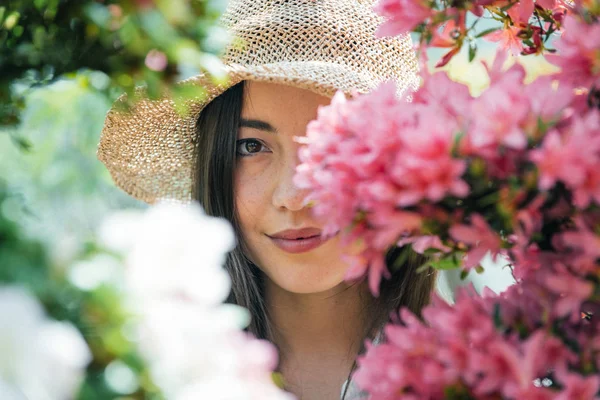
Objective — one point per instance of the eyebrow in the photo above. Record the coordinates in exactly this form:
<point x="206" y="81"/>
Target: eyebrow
<point x="257" y="124"/>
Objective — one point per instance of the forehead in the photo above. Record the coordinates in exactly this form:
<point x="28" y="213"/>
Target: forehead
<point x="280" y="104"/>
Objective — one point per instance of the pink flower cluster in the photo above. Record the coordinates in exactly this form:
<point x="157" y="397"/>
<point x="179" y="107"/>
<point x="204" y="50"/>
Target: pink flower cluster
<point x="515" y="34"/>
<point x="577" y="53"/>
<point x="563" y="274"/>
<point x="572" y="155"/>
<point x="403" y="15"/>
<point x="540" y="339"/>
<point x="509" y="114"/>
<point x="461" y="350"/>
<point x="373" y="161"/>
<point x="514" y="172"/>
<point x="398" y="156"/>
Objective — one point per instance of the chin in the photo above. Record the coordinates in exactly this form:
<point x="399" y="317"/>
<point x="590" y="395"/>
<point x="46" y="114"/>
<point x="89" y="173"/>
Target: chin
<point x="302" y="279"/>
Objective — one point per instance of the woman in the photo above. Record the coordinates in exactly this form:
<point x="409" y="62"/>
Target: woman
<point x="235" y="153"/>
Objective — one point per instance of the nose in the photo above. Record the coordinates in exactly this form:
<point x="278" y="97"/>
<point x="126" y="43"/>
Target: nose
<point x="287" y="195"/>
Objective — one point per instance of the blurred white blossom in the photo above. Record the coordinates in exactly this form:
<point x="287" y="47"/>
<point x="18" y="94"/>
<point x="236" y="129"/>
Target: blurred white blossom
<point x="173" y="249"/>
<point x="40" y="358"/>
<point x="176" y="283"/>
<point x="100" y="269"/>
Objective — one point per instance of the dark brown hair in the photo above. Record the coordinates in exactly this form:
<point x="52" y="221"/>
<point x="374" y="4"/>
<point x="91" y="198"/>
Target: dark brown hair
<point x="217" y="130"/>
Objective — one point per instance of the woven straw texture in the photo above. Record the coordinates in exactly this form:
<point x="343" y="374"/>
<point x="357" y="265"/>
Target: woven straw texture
<point x="319" y="45"/>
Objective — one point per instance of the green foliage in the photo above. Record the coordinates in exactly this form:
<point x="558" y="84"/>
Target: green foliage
<point x="134" y="42"/>
<point x="62" y="124"/>
<point x="97" y="313"/>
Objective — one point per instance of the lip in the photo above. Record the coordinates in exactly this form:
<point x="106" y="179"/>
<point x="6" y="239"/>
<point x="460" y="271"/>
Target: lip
<point x="298" y="240"/>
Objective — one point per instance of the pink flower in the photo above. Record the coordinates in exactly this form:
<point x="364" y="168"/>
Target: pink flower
<point x="405" y="363"/>
<point x="156" y="60"/>
<point x="467" y="319"/>
<point x="577" y="53"/>
<point x="507" y="38"/>
<point x="385" y="227"/>
<point x="373" y="154"/>
<point x="585" y="241"/>
<point x="424" y="167"/>
<point x="497" y="72"/>
<point x="390" y="224"/>
<point x="447" y="36"/>
<point x="511" y="366"/>
<point x="500" y="365"/>
<point x="402" y="16"/>
<point x="480" y="238"/>
<point x="558" y="160"/>
<point x="572" y="291"/>
<point x="445" y="96"/>
<point x="422" y="243"/>
<point x="521" y="12"/>
<point x="461" y="345"/>
<point x="572" y="157"/>
<point x="447" y="57"/>
<point x="499" y="115"/>
<point x="547" y="101"/>
<point x="547" y="4"/>
<point x="579" y="387"/>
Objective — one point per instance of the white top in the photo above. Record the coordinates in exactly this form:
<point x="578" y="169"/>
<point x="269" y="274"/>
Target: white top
<point x="354" y="392"/>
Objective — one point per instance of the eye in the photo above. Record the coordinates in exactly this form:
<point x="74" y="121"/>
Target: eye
<point x="250" y="147"/>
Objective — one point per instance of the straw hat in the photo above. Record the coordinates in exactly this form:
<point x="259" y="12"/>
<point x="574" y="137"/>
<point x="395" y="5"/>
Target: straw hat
<point x="319" y="45"/>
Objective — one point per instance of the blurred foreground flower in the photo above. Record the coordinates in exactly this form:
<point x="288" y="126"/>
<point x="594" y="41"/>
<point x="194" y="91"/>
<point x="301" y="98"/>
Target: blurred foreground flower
<point x="40" y="358"/>
<point x="176" y="284"/>
<point x="138" y="314"/>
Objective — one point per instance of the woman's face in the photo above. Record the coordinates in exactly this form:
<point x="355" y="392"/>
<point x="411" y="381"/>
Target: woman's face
<point x="268" y="203"/>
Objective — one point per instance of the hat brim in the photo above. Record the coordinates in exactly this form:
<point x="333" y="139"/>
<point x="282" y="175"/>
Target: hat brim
<point x="149" y="149"/>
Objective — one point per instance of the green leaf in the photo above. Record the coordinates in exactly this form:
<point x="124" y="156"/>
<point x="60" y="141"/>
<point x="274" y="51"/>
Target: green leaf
<point x="463" y="274"/>
<point x="22" y="143"/>
<point x="472" y="51"/>
<point x="402" y="258"/>
<point x="98" y="14"/>
<point x="18" y="30"/>
<point x="40" y="4"/>
<point x="528" y="42"/>
<point x="11" y="21"/>
<point x="507" y="7"/>
<point x="497" y="316"/>
<point x="486" y="32"/>
<point x="431" y="251"/>
<point x="456" y="143"/>
<point x="446" y="263"/>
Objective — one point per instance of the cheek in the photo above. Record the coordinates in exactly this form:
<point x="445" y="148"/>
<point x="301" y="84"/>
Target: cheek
<point x="251" y="197"/>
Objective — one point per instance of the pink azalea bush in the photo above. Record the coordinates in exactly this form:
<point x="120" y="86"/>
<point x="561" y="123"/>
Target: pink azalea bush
<point x="514" y="173"/>
<point x="514" y="31"/>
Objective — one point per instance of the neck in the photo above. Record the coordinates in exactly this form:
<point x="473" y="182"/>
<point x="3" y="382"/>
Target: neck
<point x="318" y="327"/>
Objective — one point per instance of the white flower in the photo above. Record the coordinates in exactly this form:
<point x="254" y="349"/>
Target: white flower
<point x="100" y="269"/>
<point x="184" y="341"/>
<point x="176" y="285"/>
<point x="173" y="249"/>
<point x="40" y="358"/>
<point x="118" y="231"/>
<point x="201" y="353"/>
